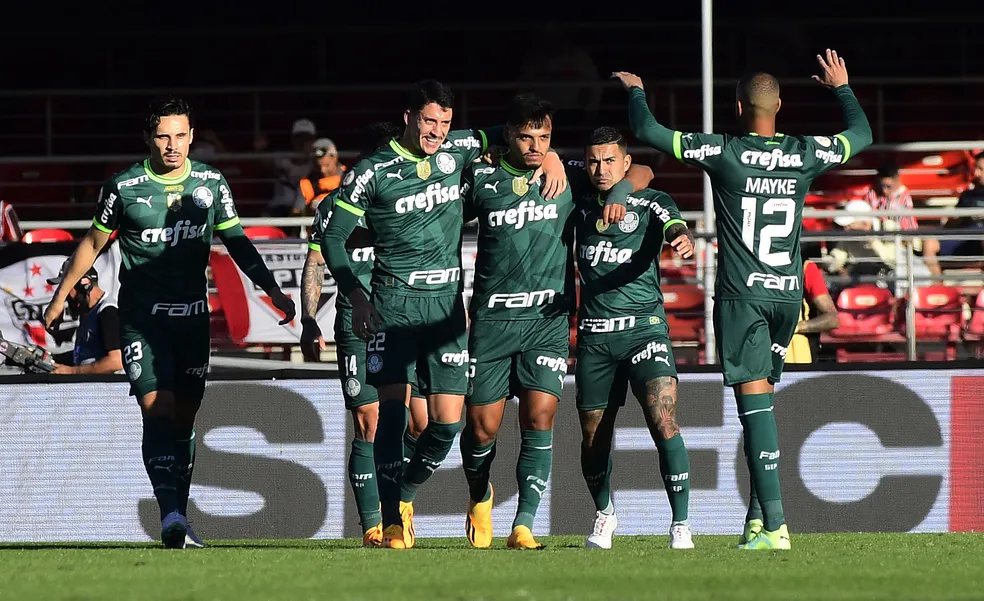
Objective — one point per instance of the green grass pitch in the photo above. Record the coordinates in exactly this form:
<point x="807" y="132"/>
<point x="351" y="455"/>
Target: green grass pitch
<point x="820" y="566"/>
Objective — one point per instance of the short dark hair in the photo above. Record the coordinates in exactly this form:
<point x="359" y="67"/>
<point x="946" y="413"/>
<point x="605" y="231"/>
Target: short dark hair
<point x="979" y="156"/>
<point x="427" y="91"/>
<point x="377" y="136"/>
<point x="528" y="109"/>
<point x="888" y="170"/>
<point x="166" y="107"/>
<point x="608" y="135"/>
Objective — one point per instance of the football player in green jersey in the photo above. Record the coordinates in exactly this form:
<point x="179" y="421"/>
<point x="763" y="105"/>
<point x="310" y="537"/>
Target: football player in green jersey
<point x="623" y="341"/>
<point x="360" y="398"/>
<point x="166" y="210"/>
<point x="759" y="183"/>
<point x="522" y="300"/>
<point x="415" y="322"/>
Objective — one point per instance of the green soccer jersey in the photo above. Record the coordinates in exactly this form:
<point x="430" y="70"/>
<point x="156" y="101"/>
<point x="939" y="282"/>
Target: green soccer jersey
<point x="619" y="263"/>
<point x="412" y="204"/>
<point x="358" y="245"/>
<point x="759" y="185"/>
<point x="165" y="228"/>
<point x="524" y="268"/>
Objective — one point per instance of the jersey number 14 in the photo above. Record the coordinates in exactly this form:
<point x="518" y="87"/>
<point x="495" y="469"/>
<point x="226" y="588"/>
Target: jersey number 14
<point x="768" y="233"/>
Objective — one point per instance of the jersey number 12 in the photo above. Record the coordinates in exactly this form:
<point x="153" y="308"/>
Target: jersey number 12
<point x="749" y="206"/>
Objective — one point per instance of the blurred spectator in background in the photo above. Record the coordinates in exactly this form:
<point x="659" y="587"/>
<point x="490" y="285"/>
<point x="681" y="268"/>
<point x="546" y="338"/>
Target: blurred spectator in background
<point x="289" y="171"/>
<point x="554" y="60"/>
<point x="97" y="339"/>
<point x="818" y="314"/>
<point x="324" y="177"/>
<point x="971" y="198"/>
<point x="870" y="257"/>
<point x="890" y="194"/>
<point x="206" y="145"/>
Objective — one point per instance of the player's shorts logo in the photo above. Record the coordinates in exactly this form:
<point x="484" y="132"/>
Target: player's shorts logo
<point x="629" y="223"/>
<point x="202" y="197"/>
<point x="353" y="387"/>
<point x="134" y="370"/>
<point x="445" y="163"/>
<point x="423" y="169"/>
<point x="374" y="363"/>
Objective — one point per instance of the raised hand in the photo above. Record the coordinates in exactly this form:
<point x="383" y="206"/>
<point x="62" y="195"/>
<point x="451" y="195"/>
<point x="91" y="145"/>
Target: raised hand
<point x="834" y="70"/>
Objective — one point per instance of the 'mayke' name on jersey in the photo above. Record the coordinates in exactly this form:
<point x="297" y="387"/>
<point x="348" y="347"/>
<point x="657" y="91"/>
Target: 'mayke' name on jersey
<point x="619" y="263"/>
<point x="759" y="187"/>
<point x="165" y="230"/>
<point x="524" y="268"/>
<point x="359" y="246"/>
<point x="413" y="207"/>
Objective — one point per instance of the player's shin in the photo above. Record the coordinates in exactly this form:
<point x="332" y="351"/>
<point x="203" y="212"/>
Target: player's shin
<point x="362" y="476"/>
<point x="432" y="449"/>
<point x="476" y="459"/>
<point x="159" y="459"/>
<point x="596" y="467"/>
<point x="762" y="453"/>
<point x="388" y="455"/>
<point x="532" y="473"/>
<point x="184" y="461"/>
<point x="674" y="467"/>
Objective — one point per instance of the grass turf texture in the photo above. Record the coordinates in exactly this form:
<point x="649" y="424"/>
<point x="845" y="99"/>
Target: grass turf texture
<point x="820" y="566"/>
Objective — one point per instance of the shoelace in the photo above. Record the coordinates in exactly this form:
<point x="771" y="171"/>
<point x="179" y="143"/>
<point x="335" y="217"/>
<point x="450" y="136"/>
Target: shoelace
<point x="600" y="524"/>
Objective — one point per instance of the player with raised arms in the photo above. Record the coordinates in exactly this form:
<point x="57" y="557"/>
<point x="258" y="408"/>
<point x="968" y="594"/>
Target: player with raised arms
<point x="759" y="182"/>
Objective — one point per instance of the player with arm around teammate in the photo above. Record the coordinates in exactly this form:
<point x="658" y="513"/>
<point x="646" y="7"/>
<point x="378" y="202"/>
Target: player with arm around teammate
<point x="360" y="398"/>
<point x="759" y="182"/>
<point x="523" y="296"/>
<point x="166" y="210"/>
<point x="415" y="321"/>
<point x="623" y="340"/>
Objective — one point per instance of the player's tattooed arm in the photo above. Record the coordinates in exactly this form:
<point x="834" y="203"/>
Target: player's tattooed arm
<point x="312" y="282"/>
<point x="826" y="320"/>
<point x="661" y="405"/>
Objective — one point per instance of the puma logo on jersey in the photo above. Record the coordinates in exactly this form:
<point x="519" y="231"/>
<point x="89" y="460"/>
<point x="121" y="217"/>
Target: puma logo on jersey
<point x="433" y="196"/>
<point x="397" y="174"/>
<point x="604" y="252"/>
<point x="145" y="201"/>
<point x="771" y="160"/>
<point x="182" y="230"/>
<point x="493" y="186"/>
<point x="527" y="211"/>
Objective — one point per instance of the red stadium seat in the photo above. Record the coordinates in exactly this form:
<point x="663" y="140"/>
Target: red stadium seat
<point x="939" y="316"/>
<point x="264" y="232"/>
<point x="867" y="317"/>
<point x="684" y="304"/>
<point x="47" y="235"/>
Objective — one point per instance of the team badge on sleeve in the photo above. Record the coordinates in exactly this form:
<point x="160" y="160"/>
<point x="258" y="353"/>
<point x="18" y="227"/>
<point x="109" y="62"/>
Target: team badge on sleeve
<point x="353" y="387"/>
<point x="423" y="169"/>
<point x="349" y="177"/>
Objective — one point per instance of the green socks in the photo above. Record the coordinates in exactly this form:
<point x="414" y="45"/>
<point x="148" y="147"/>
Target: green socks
<point x="477" y="463"/>
<point x="432" y="449"/>
<point x="409" y="446"/>
<point x="674" y="466"/>
<point x="532" y="473"/>
<point x="754" y="507"/>
<point x="388" y="455"/>
<point x="184" y="461"/>
<point x="762" y="453"/>
<point x="597" y="471"/>
<point x="362" y="476"/>
<point x="158" y="455"/>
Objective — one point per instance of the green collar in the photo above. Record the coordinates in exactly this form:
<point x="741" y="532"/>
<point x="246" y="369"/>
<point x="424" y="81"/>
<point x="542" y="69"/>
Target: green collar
<point x="512" y="170"/>
<point x="403" y="152"/>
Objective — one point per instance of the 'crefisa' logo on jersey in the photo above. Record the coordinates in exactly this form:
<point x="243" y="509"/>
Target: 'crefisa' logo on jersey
<point x="527" y="211"/>
<point x="182" y="230"/>
<point x="434" y="195"/>
<point x="604" y="252"/>
<point x="771" y="160"/>
<point x="706" y="150"/>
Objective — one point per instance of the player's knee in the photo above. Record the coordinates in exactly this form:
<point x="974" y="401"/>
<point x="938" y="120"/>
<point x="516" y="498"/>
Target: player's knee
<point x="590" y="420"/>
<point x="482" y="424"/>
<point x="364" y="420"/>
<point x="159" y="403"/>
<point x="418" y="418"/>
<point x="537" y="410"/>
<point x="185" y="411"/>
